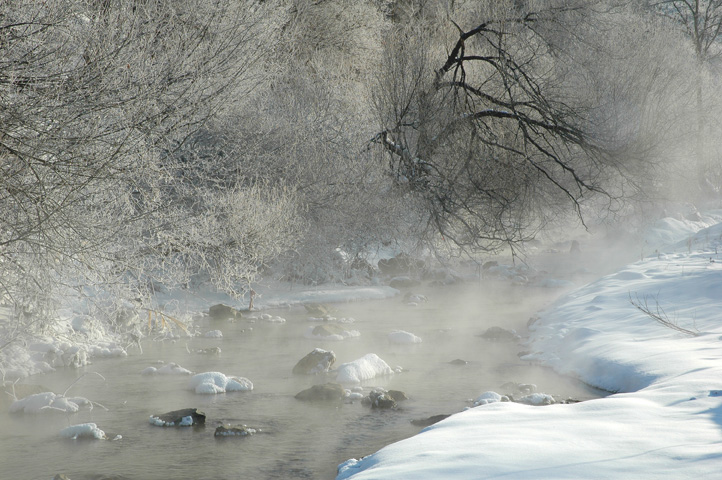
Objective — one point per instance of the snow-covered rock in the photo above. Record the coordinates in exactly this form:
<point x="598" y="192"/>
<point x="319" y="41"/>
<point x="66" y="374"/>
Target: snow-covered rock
<point x="487" y="398"/>
<point x="402" y="337"/>
<point x="318" y="361"/>
<point x="49" y="402"/>
<point x="83" y="430"/>
<point x="167" y="369"/>
<point x="186" y="417"/>
<point x="210" y="383"/>
<point x="365" y="368"/>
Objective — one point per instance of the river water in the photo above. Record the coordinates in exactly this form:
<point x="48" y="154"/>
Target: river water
<point x="296" y="439"/>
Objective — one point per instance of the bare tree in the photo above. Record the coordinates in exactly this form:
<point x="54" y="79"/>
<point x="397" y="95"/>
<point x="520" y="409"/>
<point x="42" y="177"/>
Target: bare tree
<point x="482" y="131"/>
<point x="96" y="99"/>
<point x="702" y="22"/>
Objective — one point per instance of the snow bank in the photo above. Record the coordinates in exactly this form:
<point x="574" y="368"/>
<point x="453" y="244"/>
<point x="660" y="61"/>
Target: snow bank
<point x="365" y="368"/>
<point x="215" y="382"/>
<point x="666" y="420"/>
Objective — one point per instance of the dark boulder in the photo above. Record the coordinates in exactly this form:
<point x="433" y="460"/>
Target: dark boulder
<point x="327" y="392"/>
<point x="179" y="418"/>
<point x="383" y="399"/>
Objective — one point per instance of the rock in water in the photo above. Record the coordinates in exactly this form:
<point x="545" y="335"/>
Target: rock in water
<point x="318" y="361"/>
<point x="179" y="418"/>
<point x="397" y="395"/>
<point x="223" y="312"/>
<point x="234" y="431"/>
<point x="327" y="392"/>
<point x="499" y="334"/>
<point x="459" y="361"/>
<point x="328" y="329"/>
<point x="318" y="309"/>
<point x="425" y="422"/>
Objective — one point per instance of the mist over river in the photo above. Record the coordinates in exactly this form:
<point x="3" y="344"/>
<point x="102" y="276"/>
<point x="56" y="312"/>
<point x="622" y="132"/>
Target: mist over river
<point x="295" y="439"/>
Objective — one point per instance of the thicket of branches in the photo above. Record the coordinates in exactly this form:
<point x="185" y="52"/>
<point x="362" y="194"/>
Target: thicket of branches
<point x="98" y="101"/>
<point x="151" y="144"/>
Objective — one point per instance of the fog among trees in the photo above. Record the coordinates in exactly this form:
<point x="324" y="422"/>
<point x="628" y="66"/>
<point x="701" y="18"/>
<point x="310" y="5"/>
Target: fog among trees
<point x="161" y="144"/>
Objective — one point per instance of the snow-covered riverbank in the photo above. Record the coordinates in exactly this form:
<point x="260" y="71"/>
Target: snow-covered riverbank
<point x="664" y="422"/>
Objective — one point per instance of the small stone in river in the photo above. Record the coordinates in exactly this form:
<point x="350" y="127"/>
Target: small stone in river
<point x="326" y="392"/>
<point x="179" y="418"/>
<point x="459" y="361"/>
<point x="318" y="309"/>
<point x="234" y="431"/>
<point x="397" y="395"/>
<point x="499" y="334"/>
<point x="318" y="361"/>
<point x="425" y="422"/>
<point x="328" y="329"/>
<point x="223" y="312"/>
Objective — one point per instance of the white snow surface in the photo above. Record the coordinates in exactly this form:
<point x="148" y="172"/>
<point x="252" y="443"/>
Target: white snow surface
<point x="210" y="383"/>
<point x="365" y="368"/>
<point x="665" y="421"/>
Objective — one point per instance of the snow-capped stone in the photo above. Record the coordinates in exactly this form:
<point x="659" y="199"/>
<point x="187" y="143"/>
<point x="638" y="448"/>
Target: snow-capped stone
<point x="216" y="382"/>
<point x="365" y="368"/>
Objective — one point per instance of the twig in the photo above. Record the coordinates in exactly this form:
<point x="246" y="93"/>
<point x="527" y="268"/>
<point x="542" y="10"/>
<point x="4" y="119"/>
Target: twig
<point x="659" y="315"/>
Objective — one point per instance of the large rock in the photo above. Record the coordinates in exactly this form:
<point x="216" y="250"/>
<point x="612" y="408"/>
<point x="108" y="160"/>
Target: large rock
<point x="328" y="392"/>
<point x="223" y="312"/>
<point x="179" y="418"/>
<point x="318" y="361"/>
